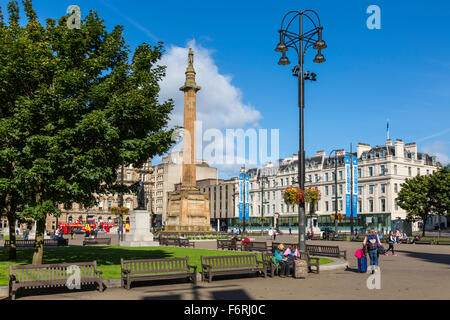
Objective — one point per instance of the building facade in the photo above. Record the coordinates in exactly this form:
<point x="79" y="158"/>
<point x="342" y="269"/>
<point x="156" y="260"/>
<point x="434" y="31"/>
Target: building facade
<point x="222" y="197"/>
<point x="381" y="171"/>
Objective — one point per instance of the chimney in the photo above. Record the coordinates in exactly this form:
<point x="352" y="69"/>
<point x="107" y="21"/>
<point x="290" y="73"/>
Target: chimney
<point x="399" y="149"/>
<point x="340" y="152"/>
<point x="412" y="148"/>
<point x="361" y="148"/>
<point x="389" y="143"/>
<point x="320" y="153"/>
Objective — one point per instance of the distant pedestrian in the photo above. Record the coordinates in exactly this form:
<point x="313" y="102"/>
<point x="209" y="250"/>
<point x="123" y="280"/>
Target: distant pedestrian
<point x="57" y="234"/>
<point x="372" y="241"/>
<point x="275" y="232"/>
<point x="271" y="234"/>
<point x="290" y="231"/>
<point x="391" y="242"/>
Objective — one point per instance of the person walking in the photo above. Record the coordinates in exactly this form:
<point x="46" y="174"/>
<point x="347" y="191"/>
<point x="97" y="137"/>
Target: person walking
<point x="391" y="242"/>
<point x="271" y="233"/>
<point x="275" y="232"/>
<point x="372" y="242"/>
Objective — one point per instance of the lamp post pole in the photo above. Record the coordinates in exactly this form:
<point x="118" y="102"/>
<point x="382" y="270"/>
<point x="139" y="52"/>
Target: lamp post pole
<point x="121" y="205"/>
<point x="335" y="191"/>
<point x="300" y="43"/>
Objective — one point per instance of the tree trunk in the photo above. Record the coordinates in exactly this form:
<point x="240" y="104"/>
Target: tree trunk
<point x="423" y="228"/>
<point x="39" y="243"/>
<point x="12" y="236"/>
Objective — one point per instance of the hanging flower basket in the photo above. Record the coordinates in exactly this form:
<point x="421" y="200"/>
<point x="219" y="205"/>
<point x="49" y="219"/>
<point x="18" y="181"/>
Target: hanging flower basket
<point x="293" y="196"/>
<point x="312" y="195"/>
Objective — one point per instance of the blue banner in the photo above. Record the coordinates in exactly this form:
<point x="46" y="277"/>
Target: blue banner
<point x="348" y="186"/>
<point x="355" y="186"/>
<point x="241" y="211"/>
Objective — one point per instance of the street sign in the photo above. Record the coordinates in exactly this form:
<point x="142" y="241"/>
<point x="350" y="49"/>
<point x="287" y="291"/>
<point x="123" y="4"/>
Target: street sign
<point x="335" y="198"/>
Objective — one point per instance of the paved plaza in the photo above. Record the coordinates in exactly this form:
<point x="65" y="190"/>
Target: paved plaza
<point x="418" y="272"/>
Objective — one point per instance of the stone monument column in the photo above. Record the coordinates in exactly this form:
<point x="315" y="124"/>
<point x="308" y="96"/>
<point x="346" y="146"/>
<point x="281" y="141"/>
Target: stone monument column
<point x="188" y="209"/>
<point x="190" y="90"/>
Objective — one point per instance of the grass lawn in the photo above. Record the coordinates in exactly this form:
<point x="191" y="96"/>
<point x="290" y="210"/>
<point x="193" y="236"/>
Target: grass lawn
<point x="108" y="257"/>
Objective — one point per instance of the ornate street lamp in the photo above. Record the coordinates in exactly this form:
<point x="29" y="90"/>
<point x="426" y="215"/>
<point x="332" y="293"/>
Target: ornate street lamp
<point x="301" y="42"/>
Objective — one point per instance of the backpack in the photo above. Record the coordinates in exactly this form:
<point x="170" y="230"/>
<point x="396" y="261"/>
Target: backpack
<point x="370" y="244"/>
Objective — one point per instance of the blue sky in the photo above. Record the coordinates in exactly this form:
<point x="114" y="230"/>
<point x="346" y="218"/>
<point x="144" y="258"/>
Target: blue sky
<point x="400" y="72"/>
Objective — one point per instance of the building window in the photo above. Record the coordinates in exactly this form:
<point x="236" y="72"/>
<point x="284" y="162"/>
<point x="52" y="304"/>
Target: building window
<point x="359" y="205"/>
<point x="340" y="189"/>
<point x="109" y="204"/>
<point x="326" y="190"/>
<point x="333" y="203"/>
<point x="409" y="171"/>
<point x="340" y="175"/>
<point x="370" y="205"/>
<point x="340" y="205"/>
<point x="395" y="169"/>
<point x="326" y="176"/>
<point x="281" y="182"/>
<point x="383" y="188"/>
<point x="287" y="181"/>
<point x="418" y="171"/>
<point x="282" y="208"/>
<point x="333" y="187"/>
<point x="371" y="187"/>
<point x="316" y="176"/>
<point x="383" y="205"/>
<point x="128" y="176"/>
<point x="359" y="172"/>
<point x="370" y="171"/>
<point x="273" y="195"/>
<point x="273" y="208"/>
<point x="383" y="169"/>
<point x="309" y="178"/>
<point x="326" y="206"/>
<point x="396" y="205"/>
<point x="395" y="187"/>
<point x="360" y="190"/>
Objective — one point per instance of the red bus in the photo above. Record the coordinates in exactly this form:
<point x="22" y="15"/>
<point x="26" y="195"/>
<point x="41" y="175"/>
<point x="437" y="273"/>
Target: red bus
<point x="68" y="228"/>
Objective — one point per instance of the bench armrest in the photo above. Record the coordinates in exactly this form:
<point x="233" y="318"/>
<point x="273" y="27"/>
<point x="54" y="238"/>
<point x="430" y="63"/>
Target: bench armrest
<point x="100" y="272"/>
<point x="125" y="271"/>
<point x="192" y="267"/>
<point x="314" y="258"/>
<point x="206" y="266"/>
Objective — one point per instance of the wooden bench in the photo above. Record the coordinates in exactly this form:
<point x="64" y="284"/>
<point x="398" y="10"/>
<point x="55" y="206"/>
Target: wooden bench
<point x="185" y="243"/>
<point x="327" y="251"/>
<point x="156" y="269"/>
<point x="272" y="269"/>
<point x="176" y="242"/>
<point x="30" y="243"/>
<point x="51" y="275"/>
<point x="255" y="246"/>
<point x="97" y="241"/>
<point x="227" y="244"/>
<point x="233" y="264"/>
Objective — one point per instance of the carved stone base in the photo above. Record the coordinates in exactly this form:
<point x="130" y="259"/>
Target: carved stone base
<point x="139" y="235"/>
<point x="188" y="211"/>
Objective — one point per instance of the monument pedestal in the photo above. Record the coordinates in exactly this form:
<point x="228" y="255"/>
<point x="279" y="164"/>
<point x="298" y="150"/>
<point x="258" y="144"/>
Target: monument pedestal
<point x="139" y="235"/>
<point x="188" y="211"/>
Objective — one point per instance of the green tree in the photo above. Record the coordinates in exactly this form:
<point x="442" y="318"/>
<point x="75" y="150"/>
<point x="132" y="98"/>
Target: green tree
<point x="414" y="199"/>
<point x="75" y="105"/>
<point x="439" y="189"/>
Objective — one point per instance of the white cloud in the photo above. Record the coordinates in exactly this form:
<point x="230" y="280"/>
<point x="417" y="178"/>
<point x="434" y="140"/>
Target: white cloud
<point x="438" y="149"/>
<point x="219" y="103"/>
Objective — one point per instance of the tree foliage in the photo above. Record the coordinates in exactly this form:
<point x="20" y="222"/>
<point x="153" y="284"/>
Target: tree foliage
<point x="75" y="104"/>
<point x="423" y="196"/>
